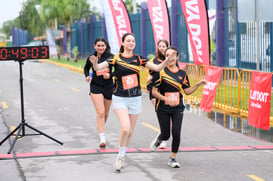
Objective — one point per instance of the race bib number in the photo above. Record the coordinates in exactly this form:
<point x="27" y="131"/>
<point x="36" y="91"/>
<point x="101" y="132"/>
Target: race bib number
<point x="174" y="96"/>
<point x="129" y="81"/>
<point x="101" y="72"/>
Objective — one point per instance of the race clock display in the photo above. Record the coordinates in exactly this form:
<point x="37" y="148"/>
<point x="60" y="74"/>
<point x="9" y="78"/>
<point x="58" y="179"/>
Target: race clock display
<point x="24" y="53"/>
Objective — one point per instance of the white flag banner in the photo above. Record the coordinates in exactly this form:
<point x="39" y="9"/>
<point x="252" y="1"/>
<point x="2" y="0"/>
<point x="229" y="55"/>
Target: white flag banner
<point x="117" y="22"/>
<point x="158" y="12"/>
<point x="51" y="42"/>
<point x="110" y="26"/>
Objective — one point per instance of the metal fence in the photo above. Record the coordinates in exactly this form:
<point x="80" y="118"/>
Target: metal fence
<point x="240" y="40"/>
<point x="232" y="96"/>
<point x="19" y="37"/>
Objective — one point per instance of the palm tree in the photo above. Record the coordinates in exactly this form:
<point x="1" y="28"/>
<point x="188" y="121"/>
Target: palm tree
<point x="29" y="18"/>
<point x="130" y="5"/>
<point x="65" y="11"/>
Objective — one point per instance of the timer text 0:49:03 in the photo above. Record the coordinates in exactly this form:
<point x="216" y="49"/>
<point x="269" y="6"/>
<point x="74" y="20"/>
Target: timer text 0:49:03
<point x="23" y="53"/>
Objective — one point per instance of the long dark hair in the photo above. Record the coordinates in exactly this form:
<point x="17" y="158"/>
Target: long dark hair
<point x="173" y="48"/>
<point x="108" y="48"/>
<point x="121" y="50"/>
<point x="160" y="55"/>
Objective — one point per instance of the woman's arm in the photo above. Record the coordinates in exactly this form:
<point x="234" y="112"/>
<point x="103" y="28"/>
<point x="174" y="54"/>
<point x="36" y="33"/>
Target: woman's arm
<point x="86" y="70"/>
<point x="158" y="67"/>
<point x="87" y="67"/>
<point x="192" y="89"/>
<point x="94" y="60"/>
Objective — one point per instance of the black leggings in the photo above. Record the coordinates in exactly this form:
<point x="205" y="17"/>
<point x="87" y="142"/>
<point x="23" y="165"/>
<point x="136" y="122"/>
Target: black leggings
<point x="164" y="122"/>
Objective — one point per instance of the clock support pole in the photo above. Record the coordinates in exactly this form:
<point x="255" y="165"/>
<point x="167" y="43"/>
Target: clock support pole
<point x="21" y="127"/>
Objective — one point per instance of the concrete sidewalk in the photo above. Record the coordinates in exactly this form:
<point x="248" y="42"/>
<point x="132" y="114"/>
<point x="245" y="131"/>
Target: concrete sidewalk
<point x="206" y="147"/>
<point x="199" y="134"/>
<point x="207" y="150"/>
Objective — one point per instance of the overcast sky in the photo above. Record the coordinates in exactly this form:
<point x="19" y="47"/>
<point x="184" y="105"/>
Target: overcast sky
<point x="9" y="9"/>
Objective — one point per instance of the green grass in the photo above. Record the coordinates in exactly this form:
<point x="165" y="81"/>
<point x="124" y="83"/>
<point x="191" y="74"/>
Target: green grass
<point x="233" y="91"/>
<point x="224" y="90"/>
<point x="79" y="64"/>
<point x="230" y="89"/>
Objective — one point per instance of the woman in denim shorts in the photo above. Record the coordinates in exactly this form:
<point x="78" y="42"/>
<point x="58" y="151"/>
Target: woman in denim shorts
<point x="127" y="91"/>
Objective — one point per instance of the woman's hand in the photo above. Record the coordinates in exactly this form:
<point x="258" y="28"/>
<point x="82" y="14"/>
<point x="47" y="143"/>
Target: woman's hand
<point x="88" y="79"/>
<point x="149" y="77"/>
<point x="171" y="102"/>
<point x="93" y="59"/>
<point x="98" y="66"/>
<point x="192" y="89"/>
<point x="171" y="57"/>
<point x="202" y="82"/>
<point x="106" y="75"/>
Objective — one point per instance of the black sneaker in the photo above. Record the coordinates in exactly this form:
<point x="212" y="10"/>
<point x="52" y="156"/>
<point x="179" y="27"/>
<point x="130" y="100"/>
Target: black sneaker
<point x="173" y="163"/>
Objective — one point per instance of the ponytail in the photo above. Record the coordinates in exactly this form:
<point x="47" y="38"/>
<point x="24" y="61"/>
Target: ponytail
<point x="121" y="49"/>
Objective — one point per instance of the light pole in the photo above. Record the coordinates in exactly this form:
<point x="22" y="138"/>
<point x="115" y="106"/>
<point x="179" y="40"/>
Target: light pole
<point x="257" y="23"/>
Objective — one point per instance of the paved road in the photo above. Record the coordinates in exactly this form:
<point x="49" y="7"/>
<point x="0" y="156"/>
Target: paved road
<point x="57" y="103"/>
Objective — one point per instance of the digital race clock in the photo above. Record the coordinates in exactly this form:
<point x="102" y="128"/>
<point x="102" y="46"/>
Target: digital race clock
<point x="23" y="53"/>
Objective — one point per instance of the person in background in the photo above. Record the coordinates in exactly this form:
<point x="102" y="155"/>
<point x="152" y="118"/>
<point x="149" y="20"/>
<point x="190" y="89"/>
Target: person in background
<point x="168" y="87"/>
<point x="127" y="101"/>
<point x="101" y="86"/>
<point x="162" y="45"/>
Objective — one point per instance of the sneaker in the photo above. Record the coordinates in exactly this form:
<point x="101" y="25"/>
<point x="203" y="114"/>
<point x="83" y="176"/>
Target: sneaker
<point x="173" y="163"/>
<point x="102" y="142"/>
<point x="163" y="145"/>
<point x="155" y="143"/>
<point x="119" y="163"/>
<point x="123" y="164"/>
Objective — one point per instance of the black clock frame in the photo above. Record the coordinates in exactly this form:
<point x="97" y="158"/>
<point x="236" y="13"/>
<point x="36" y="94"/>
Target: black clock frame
<point x="24" y="53"/>
<point x="23" y="124"/>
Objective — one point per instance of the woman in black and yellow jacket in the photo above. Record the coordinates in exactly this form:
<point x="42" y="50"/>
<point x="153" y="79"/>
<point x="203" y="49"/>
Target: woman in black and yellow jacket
<point x="101" y="86"/>
<point x="168" y="86"/>
<point x="127" y="102"/>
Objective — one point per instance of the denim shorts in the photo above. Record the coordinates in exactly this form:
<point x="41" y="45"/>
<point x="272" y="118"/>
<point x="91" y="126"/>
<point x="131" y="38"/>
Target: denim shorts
<point x="133" y="104"/>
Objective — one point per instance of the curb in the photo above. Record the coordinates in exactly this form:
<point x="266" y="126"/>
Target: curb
<point x="72" y="68"/>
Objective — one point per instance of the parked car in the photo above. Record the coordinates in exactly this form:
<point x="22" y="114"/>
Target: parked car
<point x="37" y="43"/>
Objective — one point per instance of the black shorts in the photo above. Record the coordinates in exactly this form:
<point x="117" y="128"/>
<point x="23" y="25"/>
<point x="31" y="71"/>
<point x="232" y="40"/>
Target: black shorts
<point x="107" y="91"/>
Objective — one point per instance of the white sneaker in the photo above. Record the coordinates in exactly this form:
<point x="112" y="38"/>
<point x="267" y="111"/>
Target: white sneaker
<point x="102" y="142"/>
<point x="154" y="144"/>
<point x="119" y="163"/>
<point x="163" y="145"/>
<point x="173" y="163"/>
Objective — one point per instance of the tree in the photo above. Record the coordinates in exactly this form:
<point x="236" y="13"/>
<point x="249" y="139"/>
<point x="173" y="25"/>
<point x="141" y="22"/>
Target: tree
<point x="66" y="11"/>
<point x="7" y="28"/>
<point x="29" y="18"/>
<point x="130" y="5"/>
